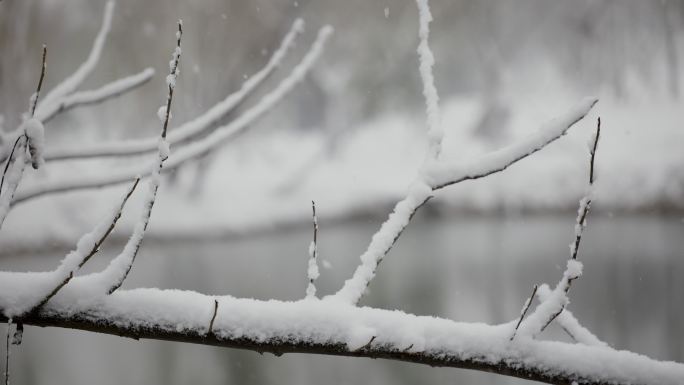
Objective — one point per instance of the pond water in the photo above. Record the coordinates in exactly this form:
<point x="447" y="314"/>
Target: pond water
<point x="467" y="268"/>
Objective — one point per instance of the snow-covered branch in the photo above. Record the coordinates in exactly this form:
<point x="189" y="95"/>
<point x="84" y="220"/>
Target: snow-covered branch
<point x="90" y="97"/>
<point x="324" y="327"/>
<point x="436" y="173"/>
<point x="312" y="272"/>
<point x="65" y="96"/>
<point x="193" y="128"/>
<point x="29" y="136"/>
<point x="557" y="299"/>
<point x="439" y="174"/>
<point x="194" y="150"/>
<point x="71" y="83"/>
<point x="23" y="293"/>
<point x="569" y="323"/>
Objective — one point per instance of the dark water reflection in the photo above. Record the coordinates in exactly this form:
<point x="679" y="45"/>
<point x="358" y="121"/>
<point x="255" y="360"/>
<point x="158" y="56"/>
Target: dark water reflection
<point x="468" y="269"/>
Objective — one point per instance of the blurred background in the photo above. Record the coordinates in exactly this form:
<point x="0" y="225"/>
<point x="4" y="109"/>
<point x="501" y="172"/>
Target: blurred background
<point x="351" y="137"/>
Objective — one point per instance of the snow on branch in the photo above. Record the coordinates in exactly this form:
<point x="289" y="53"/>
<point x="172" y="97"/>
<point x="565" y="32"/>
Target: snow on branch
<point x="29" y="135"/>
<point x="112" y="277"/>
<point x="323" y="327"/>
<point x="436" y="174"/>
<point x="90" y="97"/>
<point x="23" y="293"/>
<point x="70" y="84"/>
<point x="427" y="60"/>
<point x="312" y="272"/>
<point x="557" y="299"/>
<point x="194" y="150"/>
<point x="569" y="323"/>
<point x="445" y="173"/>
<point x="64" y="96"/>
<point x="193" y="128"/>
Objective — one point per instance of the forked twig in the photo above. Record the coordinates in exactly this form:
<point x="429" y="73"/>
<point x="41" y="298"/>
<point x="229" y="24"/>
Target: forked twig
<point x="76" y="259"/>
<point x="557" y="300"/>
<point x="436" y="174"/>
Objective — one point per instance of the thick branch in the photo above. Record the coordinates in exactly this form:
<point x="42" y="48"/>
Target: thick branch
<point x="286" y="327"/>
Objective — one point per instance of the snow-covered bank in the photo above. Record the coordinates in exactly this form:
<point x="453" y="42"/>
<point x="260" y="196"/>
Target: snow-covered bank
<point x="269" y="177"/>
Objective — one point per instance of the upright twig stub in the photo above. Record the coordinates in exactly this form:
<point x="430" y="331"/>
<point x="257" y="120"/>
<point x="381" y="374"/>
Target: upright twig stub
<point x="312" y="271"/>
<point x="213" y="318"/>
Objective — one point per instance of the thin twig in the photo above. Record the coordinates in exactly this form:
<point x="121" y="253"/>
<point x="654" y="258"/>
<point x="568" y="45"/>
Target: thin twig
<point x="34" y="99"/>
<point x="132" y="247"/>
<point x="213" y="317"/>
<point x="200" y="148"/>
<point x="32" y="107"/>
<point x="581" y="222"/>
<point x="9" y="161"/>
<point x="198" y="127"/>
<point x="366" y="346"/>
<point x="93" y="250"/>
<point x="172" y="82"/>
<point x="581" y="219"/>
<point x="526" y="307"/>
<point x="312" y="270"/>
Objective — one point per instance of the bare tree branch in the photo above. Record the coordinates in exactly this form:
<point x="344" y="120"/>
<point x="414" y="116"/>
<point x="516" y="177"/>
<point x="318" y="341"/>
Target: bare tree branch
<point x="71" y="83"/>
<point x="84" y="98"/>
<point x="193" y="128"/>
<point x="194" y="150"/>
<point x="117" y="271"/>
